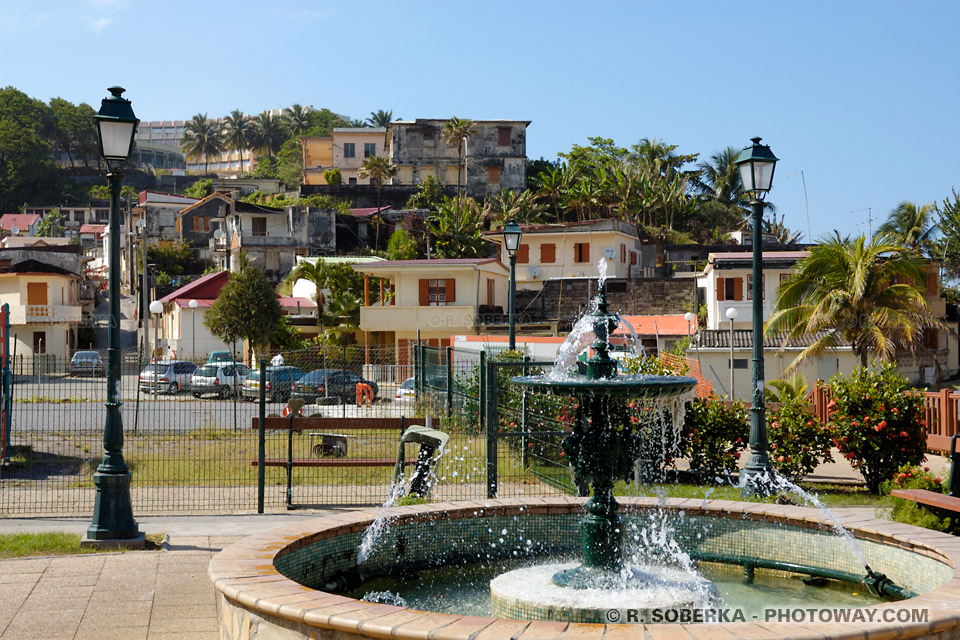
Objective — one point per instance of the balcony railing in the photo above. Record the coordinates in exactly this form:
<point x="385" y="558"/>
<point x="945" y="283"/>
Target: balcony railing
<point x="44" y="314"/>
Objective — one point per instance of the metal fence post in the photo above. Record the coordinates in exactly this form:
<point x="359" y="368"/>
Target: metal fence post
<point x="449" y="382"/>
<point x="482" y="400"/>
<point x="492" y="429"/>
<point x="262" y="437"/>
<point x="524" y="427"/>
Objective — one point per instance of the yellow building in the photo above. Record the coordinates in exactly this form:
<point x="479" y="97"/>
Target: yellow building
<point x="45" y="307"/>
<point x="345" y="149"/>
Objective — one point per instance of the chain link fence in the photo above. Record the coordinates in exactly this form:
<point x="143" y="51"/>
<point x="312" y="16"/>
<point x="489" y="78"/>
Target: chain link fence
<point x="193" y="446"/>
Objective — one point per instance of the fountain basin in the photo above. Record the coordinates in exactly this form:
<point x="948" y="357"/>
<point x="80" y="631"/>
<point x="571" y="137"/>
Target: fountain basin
<point x="627" y="386"/>
<point x="270" y="584"/>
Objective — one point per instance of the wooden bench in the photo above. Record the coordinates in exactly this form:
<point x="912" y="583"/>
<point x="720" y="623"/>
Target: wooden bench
<point x="335" y="462"/>
<point x="939" y="502"/>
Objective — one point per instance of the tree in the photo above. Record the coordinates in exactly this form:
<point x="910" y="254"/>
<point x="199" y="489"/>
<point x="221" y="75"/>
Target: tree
<point x="269" y="133"/>
<point x="199" y="189"/>
<point x="457" y="226"/>
<point x="381" y="118"/>
<point x="378" y="169"/>
<point x="864" y="292"/>
<point x="912" y="225"/>
<point x="202" y="138"/>
<point x="552" y="186"/>
<point x="51" y="226"/>
<point x="322" y="123"/>
<point x="333" y="177"/>
<point x="26" y="169"/>
<point x="290" y="163"/>
<point x="509" y="205"/>
<point x="401" y="246"/>
<point x="948" y="221"/>
<point x="246" y="309"/>
<point x="429" y="195"/>
<point x="237" y="132"/>
<point x="456" y="131"/>
<point x="296" y="120"/>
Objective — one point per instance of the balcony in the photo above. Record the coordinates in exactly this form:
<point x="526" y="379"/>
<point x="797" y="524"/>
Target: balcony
<point x="265" y="240"/>
<point x="452" y="318"/>
<point x="44" y="314"/>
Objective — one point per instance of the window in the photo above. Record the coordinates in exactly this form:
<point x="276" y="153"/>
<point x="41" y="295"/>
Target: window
<point x="349" y="150"/>
<point x="351" y="181"/>
<point x="429" y="135"/>
<point x="623" y="254"/>
<point x="493" y="174"/>
<point x="39" y="342"/>
<point x="763" y="287"/>
<point x="581" y="252"/>
<point x="738" y="363"/>
<point x="369" y="150"/>
<point x="523" y="254"/>
<point x="78" y="216"/>
<point x="201" y="223"/>
<point x="548" y="253"/>
<point x="503" y="136"/>
<point x="730" y="289"/>
<point x="437" y="293"/>
<point x="259" y="226"/>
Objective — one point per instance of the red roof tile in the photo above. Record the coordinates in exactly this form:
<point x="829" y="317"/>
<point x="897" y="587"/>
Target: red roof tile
<point x="22" y="221"/>
<point x="673" y="325"/>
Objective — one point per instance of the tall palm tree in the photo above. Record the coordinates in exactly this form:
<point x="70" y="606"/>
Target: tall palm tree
<point x="912" y="225"/>
<point x="552" y="185"/>
<point x="720" y="178"/>
<point x="237" y="132"/>
<point x="456" y="131"/>
<point x="202" y="138"/>
<point x="269" y="133"/>
<point x="297" y="119"/>
<point x="864" y="292"/>
<point x="381" y="118"/>
<point x="379" y="169"/>
<point x="316" y="274"/>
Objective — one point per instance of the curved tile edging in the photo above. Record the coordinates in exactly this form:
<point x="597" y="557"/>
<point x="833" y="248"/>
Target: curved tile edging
<point x="261" y="603"/>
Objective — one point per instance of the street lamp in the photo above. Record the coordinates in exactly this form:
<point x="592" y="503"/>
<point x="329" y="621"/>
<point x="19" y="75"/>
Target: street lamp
<point x="732" y="314"/>
<point x="113" y="511"/>
<point x="756" y="164"/>
<point x="511" y="242"/>
<point x="193" y="331"/>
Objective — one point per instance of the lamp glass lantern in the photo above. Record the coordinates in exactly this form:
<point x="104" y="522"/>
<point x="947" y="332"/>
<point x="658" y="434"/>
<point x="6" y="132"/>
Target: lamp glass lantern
<point x="511" y="237"/>
<point x="116" y="127"/>
<point x="756" y="164"/>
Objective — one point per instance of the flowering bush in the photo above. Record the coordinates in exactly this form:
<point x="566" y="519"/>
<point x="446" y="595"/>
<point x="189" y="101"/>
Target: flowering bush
<point x="909" y="512"/>
<point x="713" y="436"/>
<point x="877" y="422"/>
<point x="798" y="441"/>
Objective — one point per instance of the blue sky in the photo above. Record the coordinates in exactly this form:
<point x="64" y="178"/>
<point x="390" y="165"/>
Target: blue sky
<point x="861" y="96"/>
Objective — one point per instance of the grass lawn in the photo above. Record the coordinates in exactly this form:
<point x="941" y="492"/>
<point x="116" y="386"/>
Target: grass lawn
<point x="56" y="543"/>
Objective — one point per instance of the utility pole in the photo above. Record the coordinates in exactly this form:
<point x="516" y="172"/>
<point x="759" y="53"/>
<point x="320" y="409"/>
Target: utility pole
<point x="869" y="211"/>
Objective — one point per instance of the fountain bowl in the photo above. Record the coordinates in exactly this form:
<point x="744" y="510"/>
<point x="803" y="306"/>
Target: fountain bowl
<point x="625" y="386"/>
<point x="272" y="585"/>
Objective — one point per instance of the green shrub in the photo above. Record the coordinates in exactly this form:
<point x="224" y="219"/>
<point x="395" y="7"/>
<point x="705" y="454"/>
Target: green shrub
<point x="909" y="512"/>
<point x="798" y="441"/>
<point x="877" y="422"/>
<point x="713" y="436"/>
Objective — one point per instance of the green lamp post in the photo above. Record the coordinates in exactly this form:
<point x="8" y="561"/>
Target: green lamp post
<point x="113" y="512"/>
<point x="756" y="164"/>
<point x="511" y="242"/>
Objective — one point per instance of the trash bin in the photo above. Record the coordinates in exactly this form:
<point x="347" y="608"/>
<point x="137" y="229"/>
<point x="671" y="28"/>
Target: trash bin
<point x="432" y="442"/>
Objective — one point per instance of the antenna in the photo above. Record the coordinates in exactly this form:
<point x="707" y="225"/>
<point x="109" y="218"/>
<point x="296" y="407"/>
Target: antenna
<point x="869" y="211"/>
<point x="805" y="202"/>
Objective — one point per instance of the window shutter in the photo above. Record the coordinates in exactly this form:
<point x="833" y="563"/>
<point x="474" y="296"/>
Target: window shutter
<point x="424" y="292"/>
<point x="720" y="289"/>
<point x="548" y="253"/>
<point x="523" y="254"/>
<point x="738" y="288"/>
<point x="451" y="290"/>
<point x="586" y="252"/>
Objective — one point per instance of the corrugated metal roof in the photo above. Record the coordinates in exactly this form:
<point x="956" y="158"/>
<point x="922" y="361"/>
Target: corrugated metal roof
<point x="743" y="339"/>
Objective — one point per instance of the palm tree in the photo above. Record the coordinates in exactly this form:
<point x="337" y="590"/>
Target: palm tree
<point x="297" y="119"/>
<point x="720" y="179"/>
<point x="456" y="228"/>
<point x="456" y="131"/>
<point x="202" y="138"/>
<point x="381" y="118"/>
<point x="864" y="292"/>
<point x="792" y="387"/>
<point x="269" y="133"/>
<point x="378" y="169"/>
<point x="316" y="274"/>
<point x="913" y="226"/>
<point x="507" y="205"/>
<point x="237" y="132"/>
<point x="552" y="185"/>
<point x="358" y="124"/>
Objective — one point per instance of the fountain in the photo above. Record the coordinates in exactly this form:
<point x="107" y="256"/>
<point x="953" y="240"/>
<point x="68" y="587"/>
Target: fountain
<point x="306" y="580"/>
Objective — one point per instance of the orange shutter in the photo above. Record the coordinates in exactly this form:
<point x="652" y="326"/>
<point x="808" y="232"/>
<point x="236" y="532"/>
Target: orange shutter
<point x="451" y="290"/>
<point x="548" y="253"/>
<point x="424" y="293"/>
<point x="523" y="255"/>
<point x="738" y="289"/>
<point x="586" y="252"/>
<point x="720" y="289"/>
<point x="37" y="294"/>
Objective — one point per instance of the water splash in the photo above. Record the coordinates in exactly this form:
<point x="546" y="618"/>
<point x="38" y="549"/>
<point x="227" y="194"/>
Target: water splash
<point x="581" y="336"/>
<point x="373" y="533"/>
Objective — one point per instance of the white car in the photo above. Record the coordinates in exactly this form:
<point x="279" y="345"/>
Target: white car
<point x="406" y="392"/>
<point x="219" y="379"/>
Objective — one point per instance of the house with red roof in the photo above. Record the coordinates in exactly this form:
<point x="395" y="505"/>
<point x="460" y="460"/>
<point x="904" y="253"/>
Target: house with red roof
<point x="24" y="223"/>
<point x="183" y="334"/>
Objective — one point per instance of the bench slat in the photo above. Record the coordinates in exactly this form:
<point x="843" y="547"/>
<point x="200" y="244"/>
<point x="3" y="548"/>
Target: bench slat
<point x="325" y="423"/>
<point x="334" y="462"/>
<point x="930" y="498"/>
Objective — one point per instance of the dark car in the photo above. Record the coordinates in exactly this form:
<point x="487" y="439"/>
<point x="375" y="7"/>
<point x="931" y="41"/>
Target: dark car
<point x="86" y="363"/>
<point x="276" y="386"/>
<point x="334" y="385"/>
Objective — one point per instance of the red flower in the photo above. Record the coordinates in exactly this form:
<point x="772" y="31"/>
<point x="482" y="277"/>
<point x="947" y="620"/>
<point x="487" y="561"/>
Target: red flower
<point x="881" y="425"/>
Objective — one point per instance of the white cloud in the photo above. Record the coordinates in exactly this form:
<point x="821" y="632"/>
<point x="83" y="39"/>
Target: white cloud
<point x="99" y="24"/>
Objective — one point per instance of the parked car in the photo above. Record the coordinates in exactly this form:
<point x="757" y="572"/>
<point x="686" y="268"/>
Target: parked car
<point x="219" y="356"/>
<point x="218" y="379"/>
<point x="170" y="376"/>
<point x="86" y="363"/>
<point x="338" y="384"/>
<point x="407" y="391"/>
<point x="277" y="385"/>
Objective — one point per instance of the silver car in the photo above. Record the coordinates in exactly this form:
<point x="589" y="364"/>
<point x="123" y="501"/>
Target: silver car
<point x="219" y="379"/>
<point x="166" y="376"/>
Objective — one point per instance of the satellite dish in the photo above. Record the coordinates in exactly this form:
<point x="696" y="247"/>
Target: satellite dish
<point x="218" y="234"/>
<point x="609" y="252"/>
<point x="534" y="271"/>
<point x="15" y="231"/>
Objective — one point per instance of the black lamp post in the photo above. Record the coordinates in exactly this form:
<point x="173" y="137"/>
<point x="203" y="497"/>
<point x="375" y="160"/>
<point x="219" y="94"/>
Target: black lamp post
<point x="113" y="512"/>
<point x="756" y="164"/>
<point x="511" y="242"/>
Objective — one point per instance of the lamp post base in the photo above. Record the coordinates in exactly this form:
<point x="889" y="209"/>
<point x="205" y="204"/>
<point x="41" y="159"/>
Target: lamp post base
<point x="113" y="510"/>
<point x="757" y="477"/>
